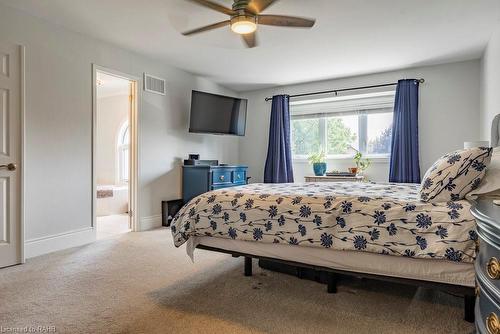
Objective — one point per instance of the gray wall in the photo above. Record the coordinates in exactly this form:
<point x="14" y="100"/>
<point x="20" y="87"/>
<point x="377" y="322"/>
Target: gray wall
<point x="58" y="124"/>
<point x="58" y="120"/>
<point x="490" y="84"/>
<point x="449" y="115"/>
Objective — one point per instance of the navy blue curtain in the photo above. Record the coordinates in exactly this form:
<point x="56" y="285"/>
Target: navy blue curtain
<point x="404" y="165"/>
<point x="278" y="167"/>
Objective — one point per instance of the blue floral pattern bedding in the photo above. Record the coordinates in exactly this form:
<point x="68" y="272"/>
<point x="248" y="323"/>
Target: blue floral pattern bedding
<point x="369" y="217"/>
<point x="455" y="174"/>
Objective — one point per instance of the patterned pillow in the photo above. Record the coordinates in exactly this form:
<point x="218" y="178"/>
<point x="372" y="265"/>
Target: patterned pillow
<point x="455" y="174"/>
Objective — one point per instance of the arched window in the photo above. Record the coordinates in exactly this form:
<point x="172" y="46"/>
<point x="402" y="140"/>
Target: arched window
<point x="123" y="152"/>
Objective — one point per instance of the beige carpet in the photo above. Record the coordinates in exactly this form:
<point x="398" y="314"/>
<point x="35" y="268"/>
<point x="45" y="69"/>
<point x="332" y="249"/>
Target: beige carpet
<point x="110" y="226"/>
<point x="140" y="283"/>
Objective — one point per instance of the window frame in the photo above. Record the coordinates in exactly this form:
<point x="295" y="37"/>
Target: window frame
<point x="383" y="99"/>
<point x="121" y="147"/>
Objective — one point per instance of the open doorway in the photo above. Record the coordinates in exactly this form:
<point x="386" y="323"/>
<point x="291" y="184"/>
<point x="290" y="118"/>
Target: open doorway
<point x="114" y="162"/>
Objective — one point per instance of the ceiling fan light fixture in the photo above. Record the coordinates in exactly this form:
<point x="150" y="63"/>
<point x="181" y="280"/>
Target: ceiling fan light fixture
<point x="243" y="25"/>
<point x="245" y="15"/>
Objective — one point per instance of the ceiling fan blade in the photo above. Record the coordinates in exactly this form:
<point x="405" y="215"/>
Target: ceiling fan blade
<point x="257" y="6"/>
<point x="250" y="39"/>
<point x="285" y="21"/>
<point x="214" y="6"/>
<point x="206" y="28"/>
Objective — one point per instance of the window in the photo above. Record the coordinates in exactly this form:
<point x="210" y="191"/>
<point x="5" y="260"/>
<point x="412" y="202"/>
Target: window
<point x="334" y="125"/>
<point x="123" y="153"/>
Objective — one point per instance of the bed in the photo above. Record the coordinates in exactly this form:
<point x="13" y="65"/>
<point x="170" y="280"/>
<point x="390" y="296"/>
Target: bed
<point x="381" y="231"/>
<point x="367" y="229"/>
<point x="385" y="219"/>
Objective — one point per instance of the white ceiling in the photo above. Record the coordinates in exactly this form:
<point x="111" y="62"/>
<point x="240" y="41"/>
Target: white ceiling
<point x="350" y="37"/>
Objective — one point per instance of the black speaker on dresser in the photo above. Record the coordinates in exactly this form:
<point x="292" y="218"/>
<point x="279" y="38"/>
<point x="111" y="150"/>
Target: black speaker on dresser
<point x="197" y="162"/>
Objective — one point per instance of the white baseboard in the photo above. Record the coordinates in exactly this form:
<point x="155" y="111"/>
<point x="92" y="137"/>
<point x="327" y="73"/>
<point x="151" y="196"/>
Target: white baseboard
<point x="150" y="222"/>
<point x="56" y="242"/>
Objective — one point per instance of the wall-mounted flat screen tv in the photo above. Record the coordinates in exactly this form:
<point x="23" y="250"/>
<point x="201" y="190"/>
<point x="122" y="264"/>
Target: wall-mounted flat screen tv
<point x="217" y="114"/>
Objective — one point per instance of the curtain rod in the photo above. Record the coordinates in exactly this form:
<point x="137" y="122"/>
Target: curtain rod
<point x="345" y="89"/>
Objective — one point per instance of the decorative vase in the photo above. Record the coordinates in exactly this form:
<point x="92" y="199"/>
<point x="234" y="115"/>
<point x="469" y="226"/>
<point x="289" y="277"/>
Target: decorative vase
<point x="319" y="168"/>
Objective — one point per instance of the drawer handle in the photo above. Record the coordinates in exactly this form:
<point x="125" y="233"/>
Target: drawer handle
<point x="492" y="324"/>
<point x="493" y="268"/>
<point x="221" y="177"/>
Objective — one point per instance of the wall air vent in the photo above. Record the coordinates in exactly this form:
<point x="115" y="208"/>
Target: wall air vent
<point x="154" y="84"/>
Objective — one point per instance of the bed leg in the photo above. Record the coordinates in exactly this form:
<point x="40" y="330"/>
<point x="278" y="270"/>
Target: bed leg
<point x="248" y="266"/>
<point x="332" y="283"/>
<point x="469" y="303"/>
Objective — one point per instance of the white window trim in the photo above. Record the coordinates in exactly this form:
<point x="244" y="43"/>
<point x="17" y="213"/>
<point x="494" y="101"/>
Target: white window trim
<point x="368" y="101"/>
<point x="121" y="163"/>
<point x="374" y="158"/>
<point x="120" y="156"/>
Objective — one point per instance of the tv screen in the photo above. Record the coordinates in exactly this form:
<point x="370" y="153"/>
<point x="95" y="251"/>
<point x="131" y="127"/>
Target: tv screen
<point x="217" y="114"/>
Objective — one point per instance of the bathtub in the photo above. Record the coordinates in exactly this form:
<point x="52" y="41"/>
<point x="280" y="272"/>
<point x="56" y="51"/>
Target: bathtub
<point x="111" y="200"/>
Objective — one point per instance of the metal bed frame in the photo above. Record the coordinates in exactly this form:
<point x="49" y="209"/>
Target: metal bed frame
<point x="468" y="293"/>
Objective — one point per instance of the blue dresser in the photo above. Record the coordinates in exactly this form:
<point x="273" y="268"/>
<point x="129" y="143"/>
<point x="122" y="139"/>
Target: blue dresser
<point x="197" y="180"/>
<point x="487" y="266"/>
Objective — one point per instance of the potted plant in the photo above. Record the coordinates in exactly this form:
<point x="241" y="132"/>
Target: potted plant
<point x="318" y="162"/>
<point x="361" y="164"/>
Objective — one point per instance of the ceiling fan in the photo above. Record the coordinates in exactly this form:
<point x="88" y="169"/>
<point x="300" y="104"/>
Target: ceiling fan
<point x="245" y="17"/>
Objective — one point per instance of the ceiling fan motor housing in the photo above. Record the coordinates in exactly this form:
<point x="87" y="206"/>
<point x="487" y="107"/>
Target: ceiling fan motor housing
<point x="241" y="12"/>
<point x="240" y="5"/>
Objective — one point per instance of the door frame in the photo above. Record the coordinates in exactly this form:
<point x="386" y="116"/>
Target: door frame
<point x="22" y="163"/>
<point x="134" y="144"/>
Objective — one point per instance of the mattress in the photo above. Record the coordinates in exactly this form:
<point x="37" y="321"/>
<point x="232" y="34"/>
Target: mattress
<point x="386" y="219"/>
<point x="442" y="271"/>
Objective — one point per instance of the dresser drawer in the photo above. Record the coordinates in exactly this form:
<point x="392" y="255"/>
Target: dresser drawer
<point x="488" y="261"/>
<point x="198" y="179"/>
<point x="487" y="309"/>
<point x="487" y="266"/>
<point x="239" y="176"/>
<point x="221" y="176"/>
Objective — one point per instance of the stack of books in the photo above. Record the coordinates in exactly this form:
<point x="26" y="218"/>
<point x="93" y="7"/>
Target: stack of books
<point x="340" y="174"/>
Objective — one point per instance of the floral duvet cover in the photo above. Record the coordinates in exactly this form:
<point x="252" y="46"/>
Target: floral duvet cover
<point x="370" y="217"/>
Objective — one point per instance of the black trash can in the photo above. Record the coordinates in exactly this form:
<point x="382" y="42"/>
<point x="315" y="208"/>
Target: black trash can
<point x="169" y="209"/>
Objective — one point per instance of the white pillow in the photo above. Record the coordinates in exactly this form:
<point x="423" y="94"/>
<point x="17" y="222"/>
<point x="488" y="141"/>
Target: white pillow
<point x="490" y="185"/>
<point x="455" y="174"/>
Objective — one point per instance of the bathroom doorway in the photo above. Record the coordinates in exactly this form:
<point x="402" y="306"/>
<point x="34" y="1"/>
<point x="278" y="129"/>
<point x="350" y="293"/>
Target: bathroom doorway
<point x="114" y="152"/>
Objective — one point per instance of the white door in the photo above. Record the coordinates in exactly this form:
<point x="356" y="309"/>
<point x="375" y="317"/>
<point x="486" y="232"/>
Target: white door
<point x="11" y="89"/>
